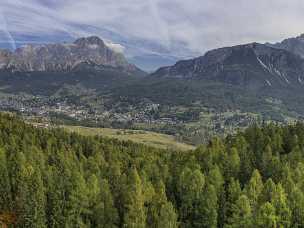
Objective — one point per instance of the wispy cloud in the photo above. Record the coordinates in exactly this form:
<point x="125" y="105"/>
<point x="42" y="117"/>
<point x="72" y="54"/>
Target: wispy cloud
<point x="4" y="28"/>
<point x="198" y="25"/>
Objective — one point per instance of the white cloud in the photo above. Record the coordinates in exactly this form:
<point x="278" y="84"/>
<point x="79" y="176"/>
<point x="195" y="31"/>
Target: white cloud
<point x="198" y="24"/>
<point x="115" y="47"/>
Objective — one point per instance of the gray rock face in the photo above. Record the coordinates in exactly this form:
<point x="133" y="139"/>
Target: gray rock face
<point x="63" y="57"/>
<point x="252" y="66"/>
<point x="294" y="45"/>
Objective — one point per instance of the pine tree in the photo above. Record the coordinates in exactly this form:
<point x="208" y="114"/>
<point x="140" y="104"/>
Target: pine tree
<point x="161" y="212"/>
<point x="216" y="179"/>
<point x="77" y="204"/>
<point x="190" y="188"/>
<point x="298" y="175"/>
<point x="55" y="198"/>
<point x="168" y="217"/>
<point x="233" y="164"/>
<point x="233" y="193"/>
<point x="287" y="180"/>
<point x="246" y="159"/>
<point x="241" y="214"/>
<point x="297" y="208"/>
<point x="104" y="213"/>
<point x="207" y="216"/>
<point x="266" y="161"/>
<point x="266" y="217"/>
<point x="31" y="198"/>
<point x="279" y="201"/>
<point x="135" y="214"/>
<point x="5" y="186"/>
<point x="254" y="189"/>
<point x="267" y="192"/>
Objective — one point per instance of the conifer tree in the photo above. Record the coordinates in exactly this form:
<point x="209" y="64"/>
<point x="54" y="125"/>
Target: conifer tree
<point x="5" y="186"/>
<point x="56" y="216"/>
<point x="105" y="214"/>
<point x="268" y="191"/>
<point x="233" y="164"/>
<point x="233" y="193"/>
<point x="279" y="201"/>
<point x="161" y="212"/>
<point x="297" y="208"/>
<point x="135" y="214"/>
<point x="190" y="188"/>
<point x="77" y="204"/>
<point x="207" y="216"/>
<point x="241" y="216"/>
<point x="266" y="161"/>
<point x="32" y="198"/>
<point x="266" y="217"/>
<point x="254" y="189"/>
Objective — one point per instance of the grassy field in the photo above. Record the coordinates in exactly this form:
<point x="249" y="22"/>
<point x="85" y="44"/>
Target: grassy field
<point x="149" y="138"/>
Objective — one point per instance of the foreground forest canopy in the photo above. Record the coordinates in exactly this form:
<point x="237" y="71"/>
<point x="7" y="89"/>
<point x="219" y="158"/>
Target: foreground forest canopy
<point x="51" y="178"/>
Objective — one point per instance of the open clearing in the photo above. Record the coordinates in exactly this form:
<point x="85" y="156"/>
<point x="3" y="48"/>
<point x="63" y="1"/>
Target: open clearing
<point x="149" y="138"/>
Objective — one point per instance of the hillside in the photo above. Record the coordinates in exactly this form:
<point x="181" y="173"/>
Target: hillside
<point x="51" y="178"/>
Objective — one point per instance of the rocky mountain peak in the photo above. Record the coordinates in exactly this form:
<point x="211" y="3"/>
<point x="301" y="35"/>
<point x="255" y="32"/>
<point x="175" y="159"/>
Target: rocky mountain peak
<point x="294" y="45"/>
<point x="301" y="36"/>
<point x="92" y="40"/>
<point x="64" y="57"/>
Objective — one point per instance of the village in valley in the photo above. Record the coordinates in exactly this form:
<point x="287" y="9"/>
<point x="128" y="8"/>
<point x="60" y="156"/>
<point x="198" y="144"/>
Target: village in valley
<point x="146" y="115"/>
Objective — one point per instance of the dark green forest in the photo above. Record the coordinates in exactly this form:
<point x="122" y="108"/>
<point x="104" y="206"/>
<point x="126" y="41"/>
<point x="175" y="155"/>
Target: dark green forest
<point x="51" y="178"/>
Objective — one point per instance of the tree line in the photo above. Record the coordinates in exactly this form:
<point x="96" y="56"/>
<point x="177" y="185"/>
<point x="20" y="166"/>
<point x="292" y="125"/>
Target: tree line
<point x="51" y="178"/>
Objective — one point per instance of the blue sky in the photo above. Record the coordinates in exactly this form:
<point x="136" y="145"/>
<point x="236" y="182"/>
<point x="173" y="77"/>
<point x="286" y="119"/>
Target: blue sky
<point x="194" y="25"/>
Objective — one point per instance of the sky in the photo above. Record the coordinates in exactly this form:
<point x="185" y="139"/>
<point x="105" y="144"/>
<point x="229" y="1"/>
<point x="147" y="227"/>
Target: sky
<point x="194" y="25"/>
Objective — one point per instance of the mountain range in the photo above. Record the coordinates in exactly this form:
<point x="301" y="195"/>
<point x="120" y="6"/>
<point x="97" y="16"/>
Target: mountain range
<point x="251" y="66"/>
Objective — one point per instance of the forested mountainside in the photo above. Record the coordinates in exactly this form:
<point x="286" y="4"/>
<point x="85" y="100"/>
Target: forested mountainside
<point x="50" y="178"/>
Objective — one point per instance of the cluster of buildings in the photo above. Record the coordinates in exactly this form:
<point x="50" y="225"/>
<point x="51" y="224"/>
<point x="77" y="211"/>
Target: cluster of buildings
<point x="45" y="107"/>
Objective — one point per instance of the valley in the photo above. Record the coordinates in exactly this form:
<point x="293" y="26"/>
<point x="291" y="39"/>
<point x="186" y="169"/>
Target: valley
<point x="193" y="124"/>
<point x="220" y="93"/>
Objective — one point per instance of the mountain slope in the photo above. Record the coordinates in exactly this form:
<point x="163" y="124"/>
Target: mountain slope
<point x="64" y="57"/>
<point x="252" y="66"/>
<point x="99" y="78"/>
